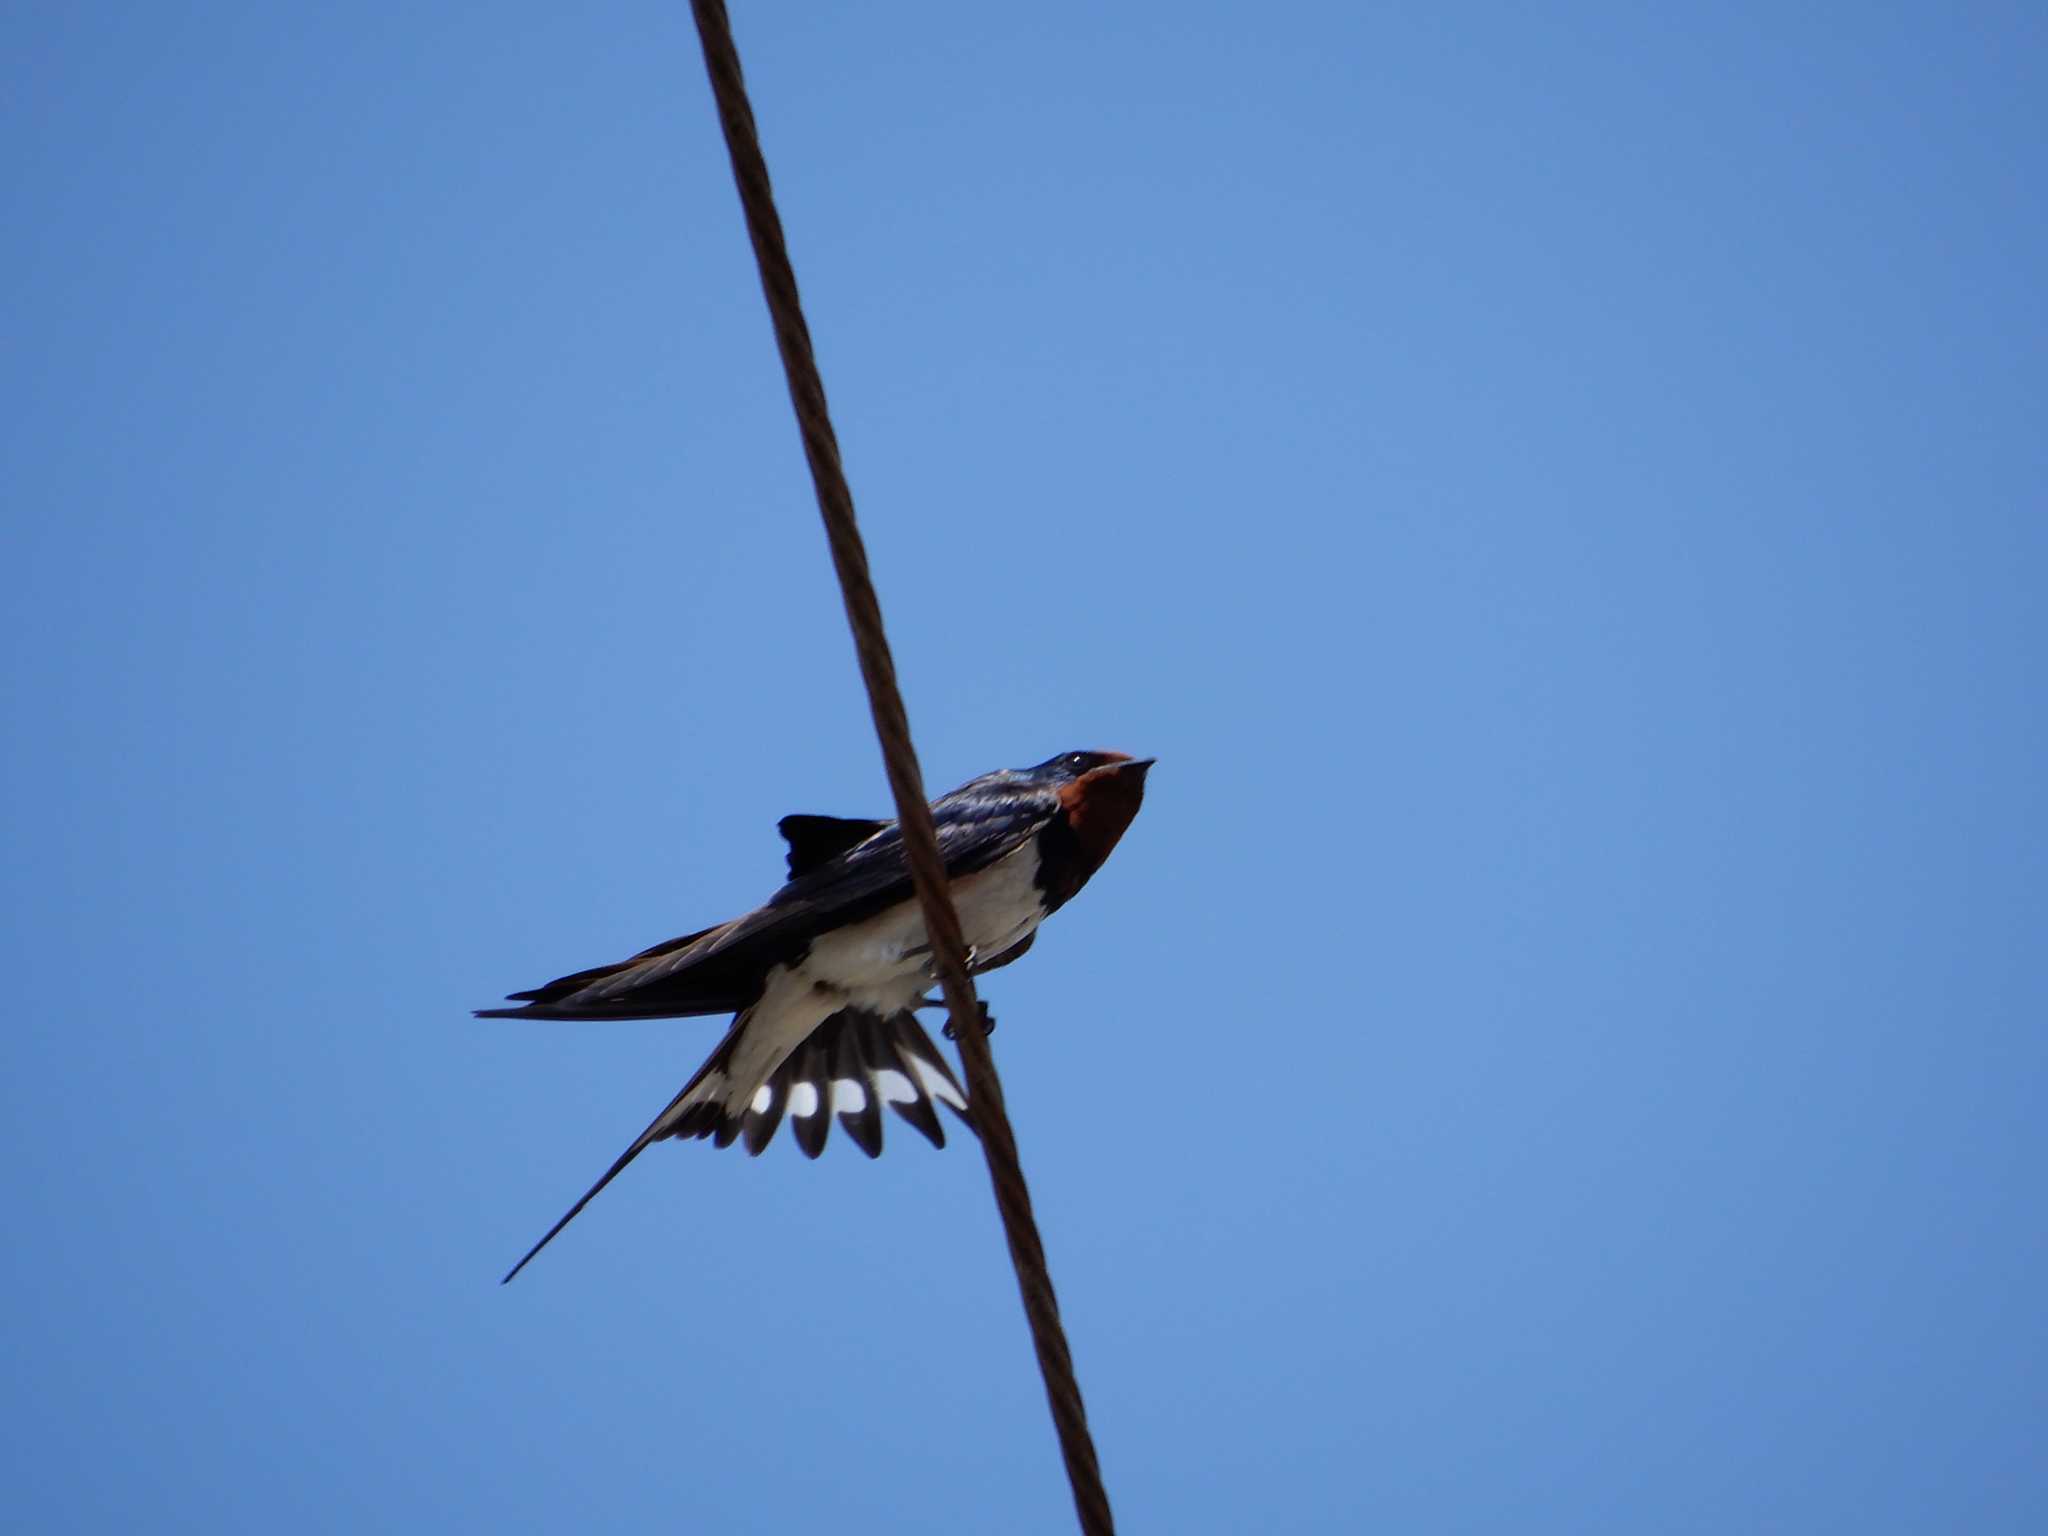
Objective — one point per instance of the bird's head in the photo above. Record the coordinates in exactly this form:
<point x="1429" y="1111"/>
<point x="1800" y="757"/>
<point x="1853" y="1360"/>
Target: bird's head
<point x="1100" y="792"/>
<point x="1071" y="768"/>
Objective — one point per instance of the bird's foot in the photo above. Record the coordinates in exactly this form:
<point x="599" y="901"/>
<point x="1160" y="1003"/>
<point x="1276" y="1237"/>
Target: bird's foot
<point x="988" y="1023"/>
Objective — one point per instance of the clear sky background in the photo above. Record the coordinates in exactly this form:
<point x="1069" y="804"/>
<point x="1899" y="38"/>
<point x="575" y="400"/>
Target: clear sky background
<point x="1560" y="490"/>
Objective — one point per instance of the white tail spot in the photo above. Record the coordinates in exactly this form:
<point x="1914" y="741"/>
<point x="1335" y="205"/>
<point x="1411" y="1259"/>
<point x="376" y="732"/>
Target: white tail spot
<point x="935" y="1083"/>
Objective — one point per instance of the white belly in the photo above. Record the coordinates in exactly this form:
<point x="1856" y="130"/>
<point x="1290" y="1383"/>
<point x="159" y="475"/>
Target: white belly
<point x="881" y="963"/>
<point x="998" y="906"/>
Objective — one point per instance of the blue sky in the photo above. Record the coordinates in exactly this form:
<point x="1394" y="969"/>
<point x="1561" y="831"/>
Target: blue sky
<point x="1561" y="493"/>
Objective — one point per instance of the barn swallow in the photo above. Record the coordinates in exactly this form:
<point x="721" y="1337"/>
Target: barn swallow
<point x="824" y="978"/>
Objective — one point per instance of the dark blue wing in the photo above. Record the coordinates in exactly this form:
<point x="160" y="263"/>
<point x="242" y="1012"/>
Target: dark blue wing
<point x="721" y="970"/>
<point x="816" y="840"/>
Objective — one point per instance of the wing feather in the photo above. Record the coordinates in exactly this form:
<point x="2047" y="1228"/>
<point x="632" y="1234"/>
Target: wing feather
<point x="722" y="969"/>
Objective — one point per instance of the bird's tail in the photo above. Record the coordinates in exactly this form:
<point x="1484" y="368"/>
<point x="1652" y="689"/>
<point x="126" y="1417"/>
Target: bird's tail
<point x="848" y="1068"/>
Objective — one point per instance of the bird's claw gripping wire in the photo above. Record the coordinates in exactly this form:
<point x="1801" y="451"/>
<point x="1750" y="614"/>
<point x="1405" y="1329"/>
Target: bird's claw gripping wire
<point x="988" y="1021"/>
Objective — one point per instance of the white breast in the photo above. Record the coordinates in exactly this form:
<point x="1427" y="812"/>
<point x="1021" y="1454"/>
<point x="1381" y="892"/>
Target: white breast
<point x="880" y="963"/>
<point x="885" y="956"/>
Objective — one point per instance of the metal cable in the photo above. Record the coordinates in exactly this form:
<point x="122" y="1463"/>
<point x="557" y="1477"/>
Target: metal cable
<point x="906" y="782"/>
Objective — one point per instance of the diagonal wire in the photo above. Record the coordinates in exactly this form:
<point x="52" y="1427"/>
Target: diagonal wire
<point x="906" y="782"/>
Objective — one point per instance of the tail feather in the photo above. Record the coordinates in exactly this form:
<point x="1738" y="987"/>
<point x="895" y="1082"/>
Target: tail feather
<point x="847" y="1068"/>
<point x="682" y="1107"/>
<point x="808" y="1082"/>
<point x="856" y="1097"/>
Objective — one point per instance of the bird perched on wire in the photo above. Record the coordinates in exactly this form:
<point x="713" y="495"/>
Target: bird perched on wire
<point x="824" y="978"/>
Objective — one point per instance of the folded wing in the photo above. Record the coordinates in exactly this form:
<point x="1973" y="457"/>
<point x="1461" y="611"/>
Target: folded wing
<point x="722" y="969"/>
